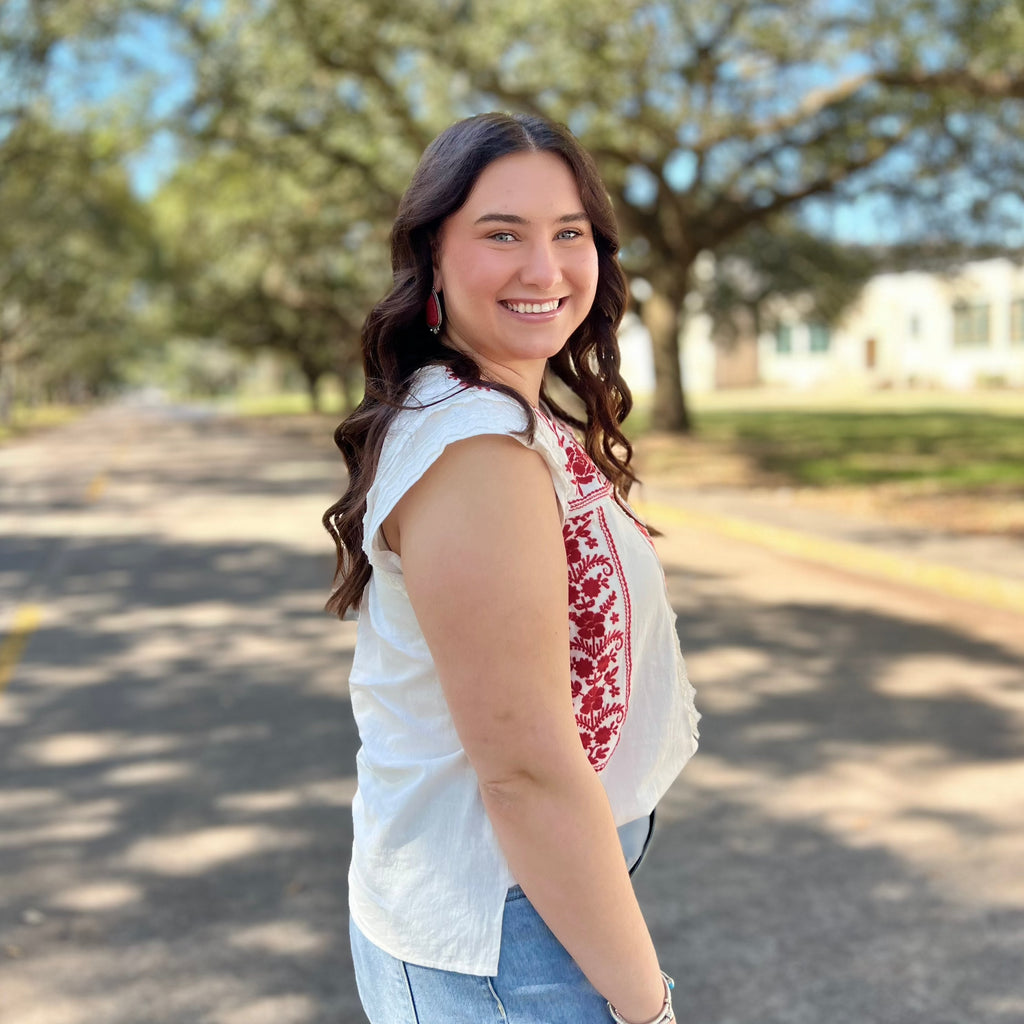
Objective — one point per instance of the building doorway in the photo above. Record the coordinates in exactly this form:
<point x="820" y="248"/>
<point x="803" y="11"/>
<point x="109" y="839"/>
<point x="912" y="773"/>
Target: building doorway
<point x="870" y="353"/>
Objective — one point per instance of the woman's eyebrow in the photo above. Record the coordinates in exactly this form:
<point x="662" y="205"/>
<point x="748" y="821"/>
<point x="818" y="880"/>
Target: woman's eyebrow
<point x="512" y="218"/>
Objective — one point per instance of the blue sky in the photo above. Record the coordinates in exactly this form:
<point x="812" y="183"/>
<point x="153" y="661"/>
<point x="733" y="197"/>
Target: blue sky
<point x="144" y="67"/>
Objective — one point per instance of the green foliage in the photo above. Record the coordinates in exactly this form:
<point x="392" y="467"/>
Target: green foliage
<point x="260" y="260"/>
<point x="74" y="256"/>
<point x="186" y="368"/>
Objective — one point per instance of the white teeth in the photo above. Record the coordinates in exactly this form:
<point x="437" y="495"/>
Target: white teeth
<point x="533" y="307"/>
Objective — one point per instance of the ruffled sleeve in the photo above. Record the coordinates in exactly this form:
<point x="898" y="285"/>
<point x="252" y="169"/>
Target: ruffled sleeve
<point x="439" y="412"/>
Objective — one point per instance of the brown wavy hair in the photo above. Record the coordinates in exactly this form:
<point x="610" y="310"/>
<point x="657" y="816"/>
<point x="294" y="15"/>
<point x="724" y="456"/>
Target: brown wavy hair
<point x="396" y="341"/>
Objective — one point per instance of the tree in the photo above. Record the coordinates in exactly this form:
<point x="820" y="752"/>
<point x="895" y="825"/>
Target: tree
<point x="710" y="118"/>
<point x="74" y="253"/>
<point x="259" y="260"/>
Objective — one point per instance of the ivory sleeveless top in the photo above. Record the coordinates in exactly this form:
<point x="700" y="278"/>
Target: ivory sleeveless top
<point x="427" y="881"/>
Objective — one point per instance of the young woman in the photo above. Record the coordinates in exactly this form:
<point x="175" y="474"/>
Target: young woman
<point x="518" y="686"/>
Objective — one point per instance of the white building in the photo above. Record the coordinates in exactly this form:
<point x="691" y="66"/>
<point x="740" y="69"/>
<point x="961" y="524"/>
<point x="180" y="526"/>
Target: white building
<point x="910" y="329"/>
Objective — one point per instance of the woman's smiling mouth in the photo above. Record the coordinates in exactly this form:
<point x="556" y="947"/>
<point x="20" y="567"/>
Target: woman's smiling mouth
<point x="531" y="307"/>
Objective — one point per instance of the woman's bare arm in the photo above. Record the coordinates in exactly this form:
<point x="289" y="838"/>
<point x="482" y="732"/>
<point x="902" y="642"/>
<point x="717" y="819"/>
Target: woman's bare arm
<point x="484" y="564"/>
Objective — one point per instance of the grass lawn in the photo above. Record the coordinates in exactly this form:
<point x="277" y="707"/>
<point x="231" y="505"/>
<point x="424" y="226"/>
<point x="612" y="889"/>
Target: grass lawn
<point x="954" y="461"/>
<point x="951" y="450"/>
<point x="286" y="403"/>
<point x="25" y="420"/>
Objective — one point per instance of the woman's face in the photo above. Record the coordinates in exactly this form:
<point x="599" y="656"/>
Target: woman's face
<point x="517" y="265"/>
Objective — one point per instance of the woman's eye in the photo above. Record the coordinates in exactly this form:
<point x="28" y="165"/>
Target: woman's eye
<point x="503" y="236"/>
<point x="570" y="233"/>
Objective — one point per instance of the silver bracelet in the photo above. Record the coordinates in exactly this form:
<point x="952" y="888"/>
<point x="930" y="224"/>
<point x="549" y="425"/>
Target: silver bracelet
<point x="664" y="1016"/>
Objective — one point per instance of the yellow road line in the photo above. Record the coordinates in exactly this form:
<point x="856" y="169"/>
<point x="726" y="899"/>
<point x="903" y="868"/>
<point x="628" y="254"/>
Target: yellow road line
<point x="96" y="487"/>
<point x="26" y="621"/>
<point x="28" y="616"/>
<point x="983" y="588"/>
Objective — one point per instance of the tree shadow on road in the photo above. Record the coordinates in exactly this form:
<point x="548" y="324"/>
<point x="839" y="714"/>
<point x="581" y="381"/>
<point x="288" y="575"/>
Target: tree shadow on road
<point x="845" y="845"/>
<point x="839" y="668"/>
<point x="768" y="921"/>
<point x="179" y="758"/>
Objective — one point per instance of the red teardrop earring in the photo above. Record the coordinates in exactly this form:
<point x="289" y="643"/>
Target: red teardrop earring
<point x="434" y="315"/>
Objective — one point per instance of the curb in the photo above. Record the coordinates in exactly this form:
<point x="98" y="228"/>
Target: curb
<point x="860" y="559"/>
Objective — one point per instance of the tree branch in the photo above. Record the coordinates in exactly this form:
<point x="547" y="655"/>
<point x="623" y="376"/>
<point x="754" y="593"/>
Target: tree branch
<point x="725" y="222"/>
<point x="994" y="85"/>
<point x="813" y="104"/>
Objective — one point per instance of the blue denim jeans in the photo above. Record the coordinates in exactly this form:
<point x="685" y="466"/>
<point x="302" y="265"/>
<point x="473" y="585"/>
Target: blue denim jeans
<point x="537" y="981"/>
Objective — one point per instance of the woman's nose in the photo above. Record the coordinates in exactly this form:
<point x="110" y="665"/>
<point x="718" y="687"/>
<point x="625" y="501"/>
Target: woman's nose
<point x="541" y="267"/>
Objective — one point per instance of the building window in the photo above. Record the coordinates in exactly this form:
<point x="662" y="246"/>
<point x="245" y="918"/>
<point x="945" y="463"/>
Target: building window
<point x="970" y="324"/>
<point x="783" y="339"/>
<point x="821" y="339"/>
<point x="1017" y="322"/>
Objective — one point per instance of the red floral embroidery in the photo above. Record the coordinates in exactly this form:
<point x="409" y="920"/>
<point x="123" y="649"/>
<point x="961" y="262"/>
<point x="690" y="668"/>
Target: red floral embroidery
<point x="579" y="466"/>
<point x="599" y="607"/>
<point x="589" y="483"/>
<point x="599" y="631"/>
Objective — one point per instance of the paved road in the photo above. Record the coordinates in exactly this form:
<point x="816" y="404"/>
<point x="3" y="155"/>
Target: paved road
<point x="176" y="754"/>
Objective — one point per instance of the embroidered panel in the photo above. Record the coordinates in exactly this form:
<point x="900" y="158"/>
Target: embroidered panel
<point x="600" y="611"/>
<point x="599" y="634"/>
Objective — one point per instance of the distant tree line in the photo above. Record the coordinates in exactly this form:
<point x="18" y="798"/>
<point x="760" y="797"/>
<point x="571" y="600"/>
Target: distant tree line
<point x="730" y="127"/>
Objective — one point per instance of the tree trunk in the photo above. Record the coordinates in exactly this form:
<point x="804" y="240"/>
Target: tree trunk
<point x="350" y="377"/>
<point x="662" y="318"/>
<point x="313" y="386"/>
<point x="6" y="389"/>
